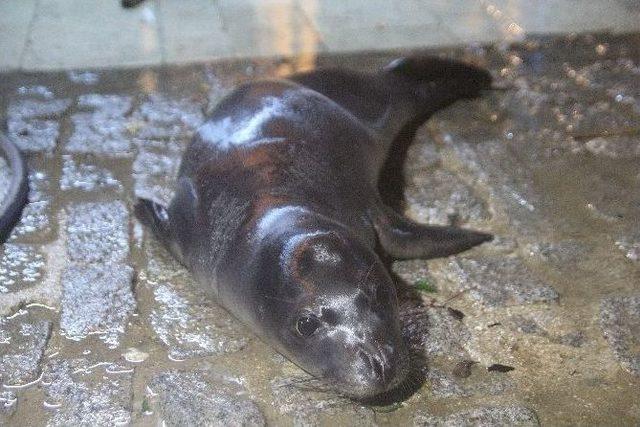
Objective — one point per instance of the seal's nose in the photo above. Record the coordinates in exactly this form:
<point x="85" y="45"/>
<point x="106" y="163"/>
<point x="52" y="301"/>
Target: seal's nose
<point x="377" y="370"/>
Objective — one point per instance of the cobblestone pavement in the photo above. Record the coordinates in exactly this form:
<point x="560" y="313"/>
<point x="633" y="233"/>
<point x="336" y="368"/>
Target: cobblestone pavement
<point x="99" y="326"/>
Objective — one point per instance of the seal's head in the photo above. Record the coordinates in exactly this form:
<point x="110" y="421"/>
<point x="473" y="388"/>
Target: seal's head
<point x="332" y="309"/>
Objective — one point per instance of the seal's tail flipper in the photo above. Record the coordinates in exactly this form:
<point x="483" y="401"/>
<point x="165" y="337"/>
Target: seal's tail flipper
<point x="402" y="238"/>
<point x="438" y="82"/>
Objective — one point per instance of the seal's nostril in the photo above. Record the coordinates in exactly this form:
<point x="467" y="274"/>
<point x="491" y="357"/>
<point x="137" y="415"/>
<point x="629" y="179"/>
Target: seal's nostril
<point x="377" y="367"/>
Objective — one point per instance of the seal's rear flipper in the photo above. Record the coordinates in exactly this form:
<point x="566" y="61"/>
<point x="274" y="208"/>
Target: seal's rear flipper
<point x="436" y="83"/>
<point x="402" y="238"/>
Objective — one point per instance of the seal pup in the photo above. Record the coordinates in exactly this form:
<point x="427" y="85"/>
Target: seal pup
<point x="277" y="213"/>
<point x="17" y="193"/>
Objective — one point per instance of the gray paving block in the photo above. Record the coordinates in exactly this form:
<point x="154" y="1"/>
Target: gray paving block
<point x="87" y="395"/>
<point x="495" y="280"/>
<point x="96" y="300"/>
<point x="620" y="322"/>
<point x="98" y="232"/>
<point x="203" y="398"/>
<point x="23" y="341"/>
<point x="511" y="415"/>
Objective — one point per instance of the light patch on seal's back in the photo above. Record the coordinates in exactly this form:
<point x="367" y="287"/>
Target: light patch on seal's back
<point x="324" y="255"/>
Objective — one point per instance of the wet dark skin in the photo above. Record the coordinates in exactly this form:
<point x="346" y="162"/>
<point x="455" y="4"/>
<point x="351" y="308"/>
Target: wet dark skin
<point x="277" y="213"/>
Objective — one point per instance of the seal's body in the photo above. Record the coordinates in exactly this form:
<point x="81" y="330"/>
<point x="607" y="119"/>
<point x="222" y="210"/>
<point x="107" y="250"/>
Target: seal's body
<point x="16" y="195"/>
<point x="277" y="213"/>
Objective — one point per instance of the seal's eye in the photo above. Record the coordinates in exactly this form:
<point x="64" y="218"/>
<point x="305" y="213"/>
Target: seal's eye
<point x="307" y="325"/>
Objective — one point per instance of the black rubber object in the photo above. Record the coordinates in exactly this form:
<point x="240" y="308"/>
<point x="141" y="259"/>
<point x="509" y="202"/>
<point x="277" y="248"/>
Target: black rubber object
<point x="17" y="196"/>
<point x="127" y="4"/>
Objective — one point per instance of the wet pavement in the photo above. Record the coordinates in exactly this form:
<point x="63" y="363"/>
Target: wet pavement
<point x="99" y="326"/>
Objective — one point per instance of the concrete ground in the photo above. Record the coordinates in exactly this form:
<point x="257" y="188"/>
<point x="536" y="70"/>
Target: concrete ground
<point x="79" y="34"/>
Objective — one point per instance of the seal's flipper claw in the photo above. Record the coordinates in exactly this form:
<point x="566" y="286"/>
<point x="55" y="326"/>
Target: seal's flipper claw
<point x="402" y="238"/>
<point x="154" y="216"/>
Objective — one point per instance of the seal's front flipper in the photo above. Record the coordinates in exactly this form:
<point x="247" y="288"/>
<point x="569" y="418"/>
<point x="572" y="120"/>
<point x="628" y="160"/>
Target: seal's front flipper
<point x="402" y="238"/>
<point x="156" y="217"/>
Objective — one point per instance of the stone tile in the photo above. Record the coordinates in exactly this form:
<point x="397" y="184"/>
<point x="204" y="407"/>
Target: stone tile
<point x="192" y="327"/>
<point x="630" y="245"/>
<point x="615" y="147"/>
<point x="193" y="31"/>
<point x="98" y="232"/>
<point x="34" y="124"/>
<point x="154" y="175"/>
<point x="15" y="20"/>
<point x="160" y="117"/>
<point x="8" y="401"/>
<point x="308" y="407"/>
<point x="99" y="134"/>
<point x="494" y="280"/>
<point x="440" y="197"/>
<point x="23" y="341"/>
<point x="35" y="225"/>
<point x="203" y="398"/>
<point x="96" y="300"/>
<point x="620" y="322"/>
<point x="87" y="394"/>
<point x="444" y="385"/>
<point x="21" y="266"/>
<point x="184" y="319"/>
<point x="73" y="24"/>
<point x="481" y="416"/>
<point x="77" y="176"/>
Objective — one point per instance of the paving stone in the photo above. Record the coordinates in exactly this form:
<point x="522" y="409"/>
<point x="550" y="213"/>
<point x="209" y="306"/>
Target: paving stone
<point x="192" y="327"/>
<point x="36" y="91"/>
<point x="102" y="131"/>
<point x="37" y="217"/>
<point x="87" y="395"/>
<point x="87" y="78"/>
<point x="36" y="109"/>
<point x="620" y="322"/>
<point x="630" y="246"/>
<point x="494" y="280"/>
<point x="34" y="124"/>
<point x="8" y="400"/>
<point x="98" y="232"/>
<point x="444" y="385"/>
<point x="34" y="135"/>
<point x="200" y="398"/>
<point x="440" y="197"/>
<point x="96" y="299"/>
<point x="508" y="180"/>
<point x="21" y="266"/>
<point x="615" y="147"/>
<point x="154" y="175"/>
<point x="106" y="105"/>
<point x="86" y="177"/>
<point x="511" y="415"/>
<point x="99" y="134"/>
<point x="562" y="253"/>
<point x="293" y="397"/>
<point x="23" y="340"/>
<point x="160" y="117"/>
<point x="446" y="334"/>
